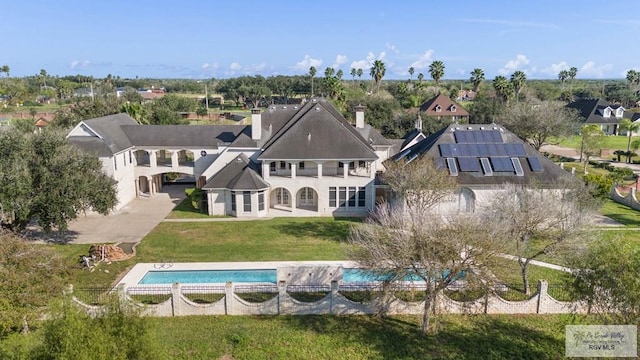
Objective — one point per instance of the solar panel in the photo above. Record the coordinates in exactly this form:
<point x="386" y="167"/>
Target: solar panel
<point x="492" y="149"/>
<point x="474" y="150"/>
<point x="534" y="164"/>
<point x="477" y="136"/>
<point x="517" y="166"/>
<point x="460" y="137"/>
<point x="453" y="169"/>
<point x="445" y="150"/>
<point x="486" y="167"/>
<point x="519" y="150"/>
<point x="501" y="164"/>
<point x="496" y="136"/>
<point x="469" y="164"/>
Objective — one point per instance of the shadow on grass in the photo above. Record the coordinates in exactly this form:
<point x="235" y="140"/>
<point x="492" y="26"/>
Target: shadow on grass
<point x="336" y="230"/>
<point x="483" y="337"/>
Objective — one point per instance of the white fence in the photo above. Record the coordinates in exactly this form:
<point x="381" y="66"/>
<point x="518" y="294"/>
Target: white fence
<point x="231" y="299"/>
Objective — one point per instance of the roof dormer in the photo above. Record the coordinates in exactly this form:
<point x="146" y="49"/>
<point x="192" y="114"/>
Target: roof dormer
<point x="438" y="108"/>
<point x="453" y="108"/>
<point x="620" y="112"/>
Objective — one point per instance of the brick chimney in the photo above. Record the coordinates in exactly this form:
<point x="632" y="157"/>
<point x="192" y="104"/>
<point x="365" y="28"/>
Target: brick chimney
<point x="256" y="124"/>
<point x="359" y="116"/>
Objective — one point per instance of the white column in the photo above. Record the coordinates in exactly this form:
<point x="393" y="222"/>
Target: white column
<point x="174" y="159"/>
<point x="372" y="169"/>
<point x="293" y="169"/>
<point x="293" y="201"/>
<point x="150" y="184"/>
<point x="153" y="161"/>
<point x="266" y="165"/>
<point x="319" y="170"/>
<point x="345" y="169"/>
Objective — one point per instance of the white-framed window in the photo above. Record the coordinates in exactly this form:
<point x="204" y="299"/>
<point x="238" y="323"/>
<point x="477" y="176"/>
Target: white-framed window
<point x="233" y="201"/>
<point x="272" y="166"/>
<point x="453" y="108"/>
<point x="282" y="196"/>
<point x="261" y="200"/>
<point x="307" y="196"/>
<point x="332" y="196"/>
<point x="438" y="108"/>
<point x="246" y="201"/>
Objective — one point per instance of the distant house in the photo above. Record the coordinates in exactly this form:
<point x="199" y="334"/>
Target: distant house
<point x="483" y="159"/>
<point x="441" y="107"/>
<point x="604" y="114"/>
<point x="466" y="95"/>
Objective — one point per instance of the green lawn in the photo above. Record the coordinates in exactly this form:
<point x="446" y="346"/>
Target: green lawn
<point x="621" y="213"/>
<point x="185" y="210"/>
<point x="613" y="142"/>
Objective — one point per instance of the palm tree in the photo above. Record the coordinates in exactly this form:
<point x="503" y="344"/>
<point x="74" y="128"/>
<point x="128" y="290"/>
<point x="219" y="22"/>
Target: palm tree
<point x="359" y="73"/>
<point x="562" y="76"/>
<point x="420" y="77"/>
<point x="477" y="76"/>
<point x="328" y="72"/>
<point x="312" y="72"/>
<point x="5" y="69"/>
<point x="633" y="77"/>
<point x="518" y="80"/>
<point x="502" y="87"/>
<point x="43" y="73"/>
<point x="377" y="73"/>
<point x="411" y="71"/>
<point x="630" y="127"/>
<point x="573" y="71"/>
<point x="340" y="74"/>
<point x="436" y="70"/>
<point x="353" y="75"/>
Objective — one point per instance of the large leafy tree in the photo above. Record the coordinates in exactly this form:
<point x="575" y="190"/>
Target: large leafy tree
<point x="409" y="236"/>
<point x="537" y="122"/>
<point x="377" y="72"/>
<point x="592" y="140"/>
<point x="477" y="77"/>
<point x="502" y="87"/>
<point x="45" y="179"/>
<point x="30" y="276"/>
<point x="436" y="70"/>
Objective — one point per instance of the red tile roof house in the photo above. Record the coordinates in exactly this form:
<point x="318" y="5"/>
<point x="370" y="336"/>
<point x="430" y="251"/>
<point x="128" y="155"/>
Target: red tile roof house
<point x="297" y="160"/>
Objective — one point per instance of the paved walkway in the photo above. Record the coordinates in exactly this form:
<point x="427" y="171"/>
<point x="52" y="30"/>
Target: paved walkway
<point x="539" y="263"/>
<point x="129" y="224"/>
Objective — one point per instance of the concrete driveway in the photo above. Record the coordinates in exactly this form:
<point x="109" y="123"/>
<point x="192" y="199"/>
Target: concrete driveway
<point x="129" y="224"/>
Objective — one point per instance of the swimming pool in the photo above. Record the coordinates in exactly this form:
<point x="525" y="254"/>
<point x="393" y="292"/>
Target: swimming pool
<point x="350" y="275"/>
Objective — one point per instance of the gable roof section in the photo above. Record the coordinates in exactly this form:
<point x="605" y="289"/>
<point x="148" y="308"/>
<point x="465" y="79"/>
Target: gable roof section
<point x="317" y="131"/>
<point x="467" y="149"/>
<point x="183" y="135"/>
<point x="589" y="110"/>
<point x="107" y="129"/>
<point x="239" y="174"/>
<point x="446" y="104"/>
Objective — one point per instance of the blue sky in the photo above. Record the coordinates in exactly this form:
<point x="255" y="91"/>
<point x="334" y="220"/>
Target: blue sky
<point x="221" y="39"/>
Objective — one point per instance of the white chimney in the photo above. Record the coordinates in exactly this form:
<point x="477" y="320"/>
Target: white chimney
<point x="419" y="123"/>
<point x="256" y="124"/>
<point x="359" y="117"/>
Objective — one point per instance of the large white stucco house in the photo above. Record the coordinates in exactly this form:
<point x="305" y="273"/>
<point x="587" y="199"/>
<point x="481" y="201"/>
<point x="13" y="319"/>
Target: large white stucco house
<point x="301" y="160"/>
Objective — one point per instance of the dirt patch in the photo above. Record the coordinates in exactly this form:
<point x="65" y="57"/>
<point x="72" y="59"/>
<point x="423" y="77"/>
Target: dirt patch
<point x="108" y="252"/>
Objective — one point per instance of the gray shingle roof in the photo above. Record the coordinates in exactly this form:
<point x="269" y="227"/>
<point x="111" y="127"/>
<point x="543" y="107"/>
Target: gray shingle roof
<point x="109" y="128"/>
<point x="239" y="174"/>
<point x="550" y="174"/>
<point x="91" y="145"/>
<point x="588" y="110"/>
<point x="317" y="131"/>
<point x="183" y="135"/>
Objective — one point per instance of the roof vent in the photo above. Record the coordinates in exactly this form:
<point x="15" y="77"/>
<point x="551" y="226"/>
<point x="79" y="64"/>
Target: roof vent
<point x="481" y="127"/>
<point x="284" y="107"/>
<point x="495" y="128"/>
<point x="457" y="128"/>
<point x="469" y="128"/>
<point x="270" y="127"/>
<point x="309" y="137"/>
<point x="295" y="106"/>
<point x="318" y="109"/>
<point x="314" y="100"/>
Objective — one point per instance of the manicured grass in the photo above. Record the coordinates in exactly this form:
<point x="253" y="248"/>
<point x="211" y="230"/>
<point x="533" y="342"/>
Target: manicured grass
<point x="185" y="210"/>
<point x="621" y="213"/>
<point x="613" y="142"/>
<point x="365" y="337"/>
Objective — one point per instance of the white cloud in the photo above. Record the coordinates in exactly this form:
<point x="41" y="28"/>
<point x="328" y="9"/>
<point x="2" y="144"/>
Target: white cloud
<point x="424" y="61"/>
<point x="392" y="48"/>
<point x="340" y="60"/>
<point x="554" y="69"/>
<point x="79" y="64"/>
<point x="307" y="63"/>
<point x="235" y="66"/>
<point x="213" y="66"/>
<point x="513" y="65"/>
<point x="366" y="63"/>
<point x="591" y="70"/>
<point x="254" y="68"/>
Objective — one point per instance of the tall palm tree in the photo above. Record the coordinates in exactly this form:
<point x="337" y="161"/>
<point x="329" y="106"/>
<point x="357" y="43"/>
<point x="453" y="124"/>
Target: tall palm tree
<point x="573" y="71"/>
<point x="312" y="72"/>
<point x="436" y="70"/>
<point x="339" y="74"/>
<point x="502" y="87"/>
<point x="377" y="73"/>
<point x="630" y="127"/>
<point x="411" y="71"/>
<point x="353" y="75"/>
<point x="328" y="72"/>
<point x="562" y="76"/>
<point x="477" y="76"/>
<point x="43" y="73"/>
<point x="420" y="77"/>
<point x="518" y="80"/>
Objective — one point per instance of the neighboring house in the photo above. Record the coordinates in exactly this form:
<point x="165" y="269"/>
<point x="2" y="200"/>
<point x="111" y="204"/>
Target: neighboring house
<point x="482" y="159"/>
<point x="441" y="107"/>
<point x="466" y="95"/>
<point x="301" y="160"/>
<point x="604" y="114"/>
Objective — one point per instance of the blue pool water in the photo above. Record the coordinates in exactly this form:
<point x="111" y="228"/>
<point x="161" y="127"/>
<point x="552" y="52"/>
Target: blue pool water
<point x="350" y="275"/>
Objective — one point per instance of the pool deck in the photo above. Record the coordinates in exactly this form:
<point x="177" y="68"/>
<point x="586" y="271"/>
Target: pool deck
<point x="133" y="277"/>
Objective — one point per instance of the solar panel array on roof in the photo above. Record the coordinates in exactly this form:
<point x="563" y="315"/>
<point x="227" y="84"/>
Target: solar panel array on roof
<point x="469" y="164"/>
<point x="477" y="136"/>
<point x="482" y="150"/>
<point x="534" y="164"/>
<point x="501" y="164"/>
